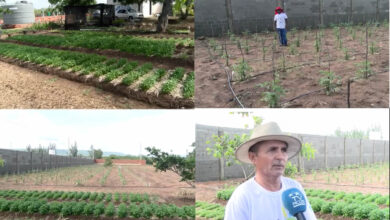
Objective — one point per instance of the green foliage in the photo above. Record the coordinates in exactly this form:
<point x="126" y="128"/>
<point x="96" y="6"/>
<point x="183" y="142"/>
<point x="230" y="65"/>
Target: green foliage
<point x="308" y="151"/>
<point x="183" y="166"/>
<point x="225" y="146"/>
<point x="169" y="86"/>
<point x="225" y="194"/>
<point x="122" y="211"/>
<point x="364" y="70"/>
<point x="290" y="170"/>
<point x="108" y="162"/>
<point x="338" y="209"/>
<point x="189" y="86"/>
<point x="274" y="92"/>
<point x="363" y="211"/>
<point x="329" y="81"/>
<point x="110" y="210"/>
<point x="242" y="69"/>
<point x="348" y="211"/>
<point x="292" y="49"/>
<point x="346" y="54"/>
<point x="376" y="214"/>
<point x="105" y="41"/>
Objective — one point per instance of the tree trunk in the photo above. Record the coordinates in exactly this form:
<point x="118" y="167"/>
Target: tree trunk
<point x="162" y="22"/>
<point x="184" y="14"/>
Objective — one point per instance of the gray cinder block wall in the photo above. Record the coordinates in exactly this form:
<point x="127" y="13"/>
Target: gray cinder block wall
<point x="331" y="152"/>
<point x="22" y="161"/>
<point x="213" y="17"/>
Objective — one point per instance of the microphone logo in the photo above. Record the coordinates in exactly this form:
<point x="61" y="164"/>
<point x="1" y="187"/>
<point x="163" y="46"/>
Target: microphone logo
<point x="298" y="200"/>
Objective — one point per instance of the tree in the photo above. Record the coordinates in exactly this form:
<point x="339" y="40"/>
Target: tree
<point x="98" y="154"/>
<point x="183" y="166"/>
<point x="60" y="4"/>
<point x="28" y="148"/>
<point x="184" y="8"/>
<point x="162" y="22"/>
<point x="91" y="152"/>
<point x="73" y="150"/>
<point x="108" y="162"/>
<point x="225" y="146"/>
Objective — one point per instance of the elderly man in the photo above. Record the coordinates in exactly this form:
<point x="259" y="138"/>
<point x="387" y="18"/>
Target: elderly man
<point x="261" y="196"/>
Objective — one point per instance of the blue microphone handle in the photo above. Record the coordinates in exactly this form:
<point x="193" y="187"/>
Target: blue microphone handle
<point x="300" y="216"/>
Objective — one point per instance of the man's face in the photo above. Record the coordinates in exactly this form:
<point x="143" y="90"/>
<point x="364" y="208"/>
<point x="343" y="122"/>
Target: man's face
<point x="270" y="158"/>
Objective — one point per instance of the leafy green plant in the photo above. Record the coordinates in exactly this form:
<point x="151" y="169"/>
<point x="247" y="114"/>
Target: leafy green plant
<point x="274" y="92"/>
<point x="364" y="70"/>
<point x="242" y="69"/>
<point x="110" y="210"/>
<point x="329" y="81"/>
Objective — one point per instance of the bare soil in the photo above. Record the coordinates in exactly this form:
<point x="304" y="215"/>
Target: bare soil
<point x="139" y="179"/>
<point x="301" y="72"/>
<point x="24" y="88"/>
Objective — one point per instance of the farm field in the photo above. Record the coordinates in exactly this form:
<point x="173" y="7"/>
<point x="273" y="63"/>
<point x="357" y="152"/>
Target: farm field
<point x="312" y="72"/>
<point x="157" y="70"/>
<point x="24" y="88"/>
<point x="132" y="191"/>
<point x="345" y="199"/>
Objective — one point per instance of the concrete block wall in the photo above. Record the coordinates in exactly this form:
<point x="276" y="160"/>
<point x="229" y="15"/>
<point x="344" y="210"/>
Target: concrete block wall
<point x="331" y="152"/>
<point x="212" y="16"/>
<point x="21" y="161"/>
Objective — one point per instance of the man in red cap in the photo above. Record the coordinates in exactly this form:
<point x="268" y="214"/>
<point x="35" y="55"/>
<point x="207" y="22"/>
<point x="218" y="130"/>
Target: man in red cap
<point x="280" y="24"/>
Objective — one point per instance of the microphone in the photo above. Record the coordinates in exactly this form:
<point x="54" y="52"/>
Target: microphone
<point x="294" y="202"/>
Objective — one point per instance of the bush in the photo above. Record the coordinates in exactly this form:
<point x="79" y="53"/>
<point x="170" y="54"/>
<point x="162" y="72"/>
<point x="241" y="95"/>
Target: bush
<point x="110" y="210"/>
<point x="88" y="209"/>
<point x="338" y="209"/>
<point x="99" y="210"/>
<point x="327" y="207"/>
<point x="348" y="211"/>
<point x="376" y="214"/>
<point x="122" y="211"/>
<point x="44" y="209"/>
<point x="363" y="211"/>
<point x="55" y="208"/>
<point x="290" y="170"/>
<point x="107" y="162"/>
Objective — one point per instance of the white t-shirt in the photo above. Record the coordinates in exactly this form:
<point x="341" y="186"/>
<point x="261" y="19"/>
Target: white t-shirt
<point x="250" y="201"/>
<point x="280" y="20"/>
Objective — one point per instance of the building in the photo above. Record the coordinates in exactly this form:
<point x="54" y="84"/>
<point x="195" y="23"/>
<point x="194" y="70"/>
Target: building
<point x="148" y="8"/>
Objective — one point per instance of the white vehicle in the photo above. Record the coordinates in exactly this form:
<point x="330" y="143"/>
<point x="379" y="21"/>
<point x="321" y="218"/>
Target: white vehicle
<point x="129" y="14"/>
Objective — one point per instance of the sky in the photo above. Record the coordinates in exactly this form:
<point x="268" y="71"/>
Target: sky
<point x="109" y="130"/>
<point x="305" y="121"/>
<point x="38" y="4"/>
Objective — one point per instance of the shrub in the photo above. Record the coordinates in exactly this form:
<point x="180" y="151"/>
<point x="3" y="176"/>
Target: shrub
<point x="338" y="209"/>
<point x="134" y="211"/>
<point x="44" y="209"/>
<point x="110" y="210"/>
<point x="376" y="214"/>
<point x="99" y="210"/>
<point x="107" y="162"/>
<point x="55" y="207"/>
<point x="122" y="211"/>
<point x="363" y="211"/>
<point x="88" y="209"/>
<point x="327" y="207"/>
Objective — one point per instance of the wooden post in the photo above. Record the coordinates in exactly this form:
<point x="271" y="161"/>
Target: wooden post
<point x="31" y="161"/>
<point x="229" y="14"/>
<point x="377" y="11"/>
<point x="350" y="11"/>
<point x="221" y="161"/>
<point x="360" y="153"/>
<point x="349" y="93"/>
<point x="326" y="153"/>
<point x="345" y="153"/>
<point x="373" y="151"/>
<point x="17" y="163"/>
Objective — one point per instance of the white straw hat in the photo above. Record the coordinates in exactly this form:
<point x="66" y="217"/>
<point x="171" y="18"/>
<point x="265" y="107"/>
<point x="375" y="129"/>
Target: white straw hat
<point x="268" y="132"/>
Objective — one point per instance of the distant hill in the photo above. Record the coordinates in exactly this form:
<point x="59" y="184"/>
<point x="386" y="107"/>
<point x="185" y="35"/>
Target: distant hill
<point x="63" y="152"/>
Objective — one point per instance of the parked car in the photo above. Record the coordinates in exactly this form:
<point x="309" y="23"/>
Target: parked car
<point x="129" y="14"/>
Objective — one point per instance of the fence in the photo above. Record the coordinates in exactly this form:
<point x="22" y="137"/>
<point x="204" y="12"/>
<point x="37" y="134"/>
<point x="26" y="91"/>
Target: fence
<point x="216" y="17"/>
<point x="21" y="161"/>
<point x="331" y="152"/>
<point x="123" y="161"/>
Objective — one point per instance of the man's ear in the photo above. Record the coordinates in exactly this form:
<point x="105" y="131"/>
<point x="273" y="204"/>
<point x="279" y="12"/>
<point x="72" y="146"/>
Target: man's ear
<point x="252" y="157"/>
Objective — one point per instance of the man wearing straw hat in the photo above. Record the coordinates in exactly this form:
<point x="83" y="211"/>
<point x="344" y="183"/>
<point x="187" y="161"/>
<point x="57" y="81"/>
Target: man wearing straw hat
<point x="261" y="196"/>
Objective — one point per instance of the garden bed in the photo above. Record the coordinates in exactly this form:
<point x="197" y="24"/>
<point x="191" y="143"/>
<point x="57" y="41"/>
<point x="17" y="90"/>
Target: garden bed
<point x="165" y="88"/>
<point x="259" y="69"/>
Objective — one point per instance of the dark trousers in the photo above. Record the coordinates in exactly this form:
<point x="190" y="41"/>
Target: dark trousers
<point x="282" y="36"/>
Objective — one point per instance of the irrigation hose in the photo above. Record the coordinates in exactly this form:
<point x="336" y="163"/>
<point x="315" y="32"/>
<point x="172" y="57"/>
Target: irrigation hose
<point x="227" y="74"/>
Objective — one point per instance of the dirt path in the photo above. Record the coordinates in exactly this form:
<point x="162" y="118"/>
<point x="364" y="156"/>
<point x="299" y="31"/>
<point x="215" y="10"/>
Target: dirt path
<point x="23" y="88"/>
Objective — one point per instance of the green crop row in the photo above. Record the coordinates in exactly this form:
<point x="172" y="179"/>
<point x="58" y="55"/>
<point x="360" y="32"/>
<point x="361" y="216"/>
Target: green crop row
<point x="348" y="197"/>
<point x="209" y="210"/>
<point x="97" y="40"/>
<point x="357" y="210"/>
<point x="97" y="65"/>
<point x="76" y="196"/>
<point x="189" y="86"/>
<point x="32" y="206"/>
<point x="225" y="194"/>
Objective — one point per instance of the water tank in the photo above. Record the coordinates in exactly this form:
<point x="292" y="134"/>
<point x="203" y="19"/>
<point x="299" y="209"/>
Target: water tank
<point x="22" y="12"/>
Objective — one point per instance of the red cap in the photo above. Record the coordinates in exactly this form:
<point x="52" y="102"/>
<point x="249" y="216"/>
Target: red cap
<point x="278" y="9"/>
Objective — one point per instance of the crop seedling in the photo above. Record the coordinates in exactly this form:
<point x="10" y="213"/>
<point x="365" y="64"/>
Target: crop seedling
<point x="364" y="70"/>
<point x="292" y="49"/>
<point x="274" y="92"/>
<point x="329" y="81"/>
<point x="242" y="69"/>
<point x="346" y="54"/>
